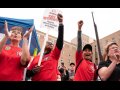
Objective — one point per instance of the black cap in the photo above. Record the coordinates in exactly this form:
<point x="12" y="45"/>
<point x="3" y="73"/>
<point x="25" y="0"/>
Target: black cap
<point x="87" y="46"/>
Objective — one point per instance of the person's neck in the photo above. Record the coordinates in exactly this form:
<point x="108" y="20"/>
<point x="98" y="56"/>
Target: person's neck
<point x="15" y="43"/>
<point x="46" y="51"/>
<point x="71" y="71"/>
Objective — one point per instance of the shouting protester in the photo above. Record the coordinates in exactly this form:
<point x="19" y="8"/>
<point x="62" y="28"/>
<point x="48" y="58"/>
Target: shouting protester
<point x="48" y="69"/>
<point x="110" y="70"/>
<point x="85" y="69"/>
<point x="14" y="59"/>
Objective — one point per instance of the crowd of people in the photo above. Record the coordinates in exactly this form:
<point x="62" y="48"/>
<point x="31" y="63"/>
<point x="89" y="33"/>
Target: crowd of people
<point x="13" y="59"/>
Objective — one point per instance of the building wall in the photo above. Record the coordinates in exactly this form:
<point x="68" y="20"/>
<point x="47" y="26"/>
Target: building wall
<point x="103" y="43"/>
<point x="66" y="49"/>
<point x="85" y="40"/>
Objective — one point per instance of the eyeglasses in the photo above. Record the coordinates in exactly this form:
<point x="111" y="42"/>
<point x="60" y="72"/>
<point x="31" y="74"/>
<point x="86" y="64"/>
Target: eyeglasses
<point x="115" y="48"/>
<point x="14" y="31"/>
<point x="48" y="42"/>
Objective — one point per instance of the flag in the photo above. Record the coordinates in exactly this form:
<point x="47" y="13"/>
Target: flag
<point x="35" y="52"/>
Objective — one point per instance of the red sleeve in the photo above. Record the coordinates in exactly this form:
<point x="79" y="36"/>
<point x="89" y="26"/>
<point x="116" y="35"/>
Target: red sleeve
<point x="95" y="75"/>
<point x="78" y="57"/>
<point x="56" y="53"/>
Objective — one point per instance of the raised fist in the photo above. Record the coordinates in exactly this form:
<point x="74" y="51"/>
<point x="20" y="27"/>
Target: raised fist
<point x="60" y="18"/>
<point x="80" y="23"/>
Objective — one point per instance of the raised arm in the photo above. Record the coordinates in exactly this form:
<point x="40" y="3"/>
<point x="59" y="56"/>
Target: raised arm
<point x="25" y="50"/>
<point x="59" y="42"/>
<point x="6" y="37"/>
<point x="79" y="36"/>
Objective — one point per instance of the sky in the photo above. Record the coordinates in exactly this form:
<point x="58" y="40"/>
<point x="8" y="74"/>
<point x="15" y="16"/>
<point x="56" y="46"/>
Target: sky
<point x="106" y="19"/>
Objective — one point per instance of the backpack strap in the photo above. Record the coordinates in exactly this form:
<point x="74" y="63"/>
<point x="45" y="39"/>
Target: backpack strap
<point x="78" y="64"/>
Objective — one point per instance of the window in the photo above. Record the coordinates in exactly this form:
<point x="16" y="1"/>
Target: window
<point x="69" y="54"/>
<point x="53" y="41"/>
<point x="106" y="42"/>
<point x="69" y="61"/>
<point x="44" y="38"/>
<point x="70" y="47"/>
<point x="119" y="38"/>
<point x="61" y="59"/>
<point x="62" y="51"/>
<point x="113" y="39"/>
<point x="95" y="48"/>
<point x="38" y="36"/>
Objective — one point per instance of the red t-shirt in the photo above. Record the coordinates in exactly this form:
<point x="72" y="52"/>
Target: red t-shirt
<point x="85" y="71"/>
<point x="10" y="67"/>
<point x="49" y="70"/>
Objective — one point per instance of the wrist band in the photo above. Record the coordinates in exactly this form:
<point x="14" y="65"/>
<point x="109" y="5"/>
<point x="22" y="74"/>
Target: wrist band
<point x="33" y="71"/>
<point x="60" y="22"/>
<point x="25" y="40"/>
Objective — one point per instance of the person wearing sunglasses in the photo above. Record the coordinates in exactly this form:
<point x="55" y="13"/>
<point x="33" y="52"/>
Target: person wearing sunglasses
<point x="13" y="58"/>
<point x="109" y="70"/>
<point x="47" y="71"/>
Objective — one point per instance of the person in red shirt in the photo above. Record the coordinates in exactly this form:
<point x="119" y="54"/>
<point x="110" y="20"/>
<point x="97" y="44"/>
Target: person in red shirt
<point x="48" y="69"/>
<point x="86" y="70"/>
<point x="13" y="59"/>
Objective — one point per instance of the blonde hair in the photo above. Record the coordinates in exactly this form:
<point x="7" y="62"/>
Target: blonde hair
<point x="17" y="28"/>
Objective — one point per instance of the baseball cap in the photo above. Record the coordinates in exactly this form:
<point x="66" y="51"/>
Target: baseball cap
<point x="87" y="46"/>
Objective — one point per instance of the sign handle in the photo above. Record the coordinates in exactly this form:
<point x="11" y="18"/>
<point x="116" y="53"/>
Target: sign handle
<point x="43" y="47"/>
<point x="25" y="69"/>
<point x="97" y="37"/>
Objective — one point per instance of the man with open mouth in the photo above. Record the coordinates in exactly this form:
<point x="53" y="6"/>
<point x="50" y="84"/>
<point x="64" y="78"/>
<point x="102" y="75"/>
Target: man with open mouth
<point x="85" y="69"/>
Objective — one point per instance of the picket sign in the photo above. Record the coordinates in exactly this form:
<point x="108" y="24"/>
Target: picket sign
<point x="50" y="22"/>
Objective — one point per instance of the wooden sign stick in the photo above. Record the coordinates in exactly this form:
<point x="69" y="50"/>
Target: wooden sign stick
<point x="43" y="47"/>
<point x="97" y="37"/>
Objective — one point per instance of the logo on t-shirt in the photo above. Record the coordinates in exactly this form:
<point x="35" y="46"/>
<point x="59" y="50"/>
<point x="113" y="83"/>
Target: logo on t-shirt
<point x="7" y="48"/>
<point x="19" y="53"/>
<point x="92" y="68"/>
<point x="46" y="58"/>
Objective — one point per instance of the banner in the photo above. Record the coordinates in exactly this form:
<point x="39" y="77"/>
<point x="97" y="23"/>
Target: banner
<point x="50" y="20"/>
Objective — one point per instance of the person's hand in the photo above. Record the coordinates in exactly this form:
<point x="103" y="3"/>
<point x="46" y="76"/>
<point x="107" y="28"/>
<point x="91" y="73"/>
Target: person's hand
<point x="37" y="68"/>
<point x="64" y="67"/>
<point x="27" y="33"/>
<point x="113" y="57"/>
<point x="60" y="18"/>
<point x="80" y="23"/>
<point x="7" y="33"/>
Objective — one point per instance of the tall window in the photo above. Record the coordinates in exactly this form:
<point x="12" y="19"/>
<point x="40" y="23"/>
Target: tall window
<point x="95" y="48"/>
<point x="119" y="38"/>
<point x="106" y="42"/>
<point x="38" y="36"/>
<point x="53" y="41"/>
<point x="61" y="59"/>
<point x="69" y="61"/>
<point x="113" y="39"/>
<point x="62" y="51"/>
<point x="70" y="47"/>
<point x="69" y="54"/>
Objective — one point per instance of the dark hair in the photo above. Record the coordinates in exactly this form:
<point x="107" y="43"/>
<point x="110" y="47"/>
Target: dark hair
<point x="72" y="64"/>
